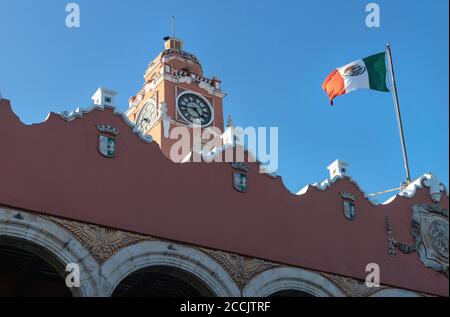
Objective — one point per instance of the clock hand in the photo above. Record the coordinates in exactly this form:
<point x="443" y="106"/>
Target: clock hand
<point x="194" y="108"/>
<point x="199" y="110"/>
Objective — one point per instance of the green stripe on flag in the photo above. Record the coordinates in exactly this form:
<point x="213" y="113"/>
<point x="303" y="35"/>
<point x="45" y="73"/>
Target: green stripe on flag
<point x="376" y="67"/>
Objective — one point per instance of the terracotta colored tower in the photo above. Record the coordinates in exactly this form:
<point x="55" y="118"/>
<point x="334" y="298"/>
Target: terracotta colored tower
<point x="176" y="93"/>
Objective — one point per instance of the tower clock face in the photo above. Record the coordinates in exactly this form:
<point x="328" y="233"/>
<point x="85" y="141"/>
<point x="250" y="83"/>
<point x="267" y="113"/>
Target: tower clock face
<point x="146" y="117"/>
<point x="192" y="107"/>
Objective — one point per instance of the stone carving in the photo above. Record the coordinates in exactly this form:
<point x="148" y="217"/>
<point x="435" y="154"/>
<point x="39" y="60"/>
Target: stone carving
<point x="107" y="129"/>
<point x="349" y="205"/>
<point x="352" y="287"/>
<point x="240" y="166"/>
<point x="107" y="146"/>
<point x="240" y="182"/>
<point x="101" y="242"/>
<point x="430" y="230"/>
<point x="348" y="196"/>
<point x="241" y="269"/>
<point x="104" y="242"/>
<point x="394" y="244"/>
<point x="166" y="120"/>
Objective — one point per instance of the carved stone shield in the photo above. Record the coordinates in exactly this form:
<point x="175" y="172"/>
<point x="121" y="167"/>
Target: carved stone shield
<point x="349" y="205"/>
<point x="430" y="229"/>
<point x="240" y="182"/>
<point x="107" y="145"/>
<point x="349" y="210"/>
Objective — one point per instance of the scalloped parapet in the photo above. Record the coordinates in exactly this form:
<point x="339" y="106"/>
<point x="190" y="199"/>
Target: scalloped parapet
<point x="430" y="181"/>
<point x="55" y="168"/>
<point x="79" y="113"/>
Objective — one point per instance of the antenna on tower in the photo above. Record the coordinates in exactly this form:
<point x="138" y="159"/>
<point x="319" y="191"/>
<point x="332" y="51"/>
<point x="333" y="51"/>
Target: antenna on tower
<point x="173" y="26"/>
<point x="171" y="42"/>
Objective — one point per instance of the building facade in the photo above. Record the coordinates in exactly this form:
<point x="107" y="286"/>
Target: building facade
<point x="98" y="189"/>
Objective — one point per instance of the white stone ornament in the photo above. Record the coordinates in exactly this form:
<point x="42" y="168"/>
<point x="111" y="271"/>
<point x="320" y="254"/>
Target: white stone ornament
<point x="165" y="119"/>
<point x="338" y="169"/>
<point x="435" y="186"/>
<point x="104" y="97"/>
<point x="430" y="181"/>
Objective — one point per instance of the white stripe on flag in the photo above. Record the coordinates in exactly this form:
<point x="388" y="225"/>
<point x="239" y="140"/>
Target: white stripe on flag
<point x="354" y="82"/>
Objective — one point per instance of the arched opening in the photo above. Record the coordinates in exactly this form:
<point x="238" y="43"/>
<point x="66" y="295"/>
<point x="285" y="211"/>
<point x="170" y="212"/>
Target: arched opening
<point x="206" y="276"/>
<point x="27" y="270"/>
<point x="291" y="293"/>
<point x="290" y="282"/>
<point x="161" y="281"/>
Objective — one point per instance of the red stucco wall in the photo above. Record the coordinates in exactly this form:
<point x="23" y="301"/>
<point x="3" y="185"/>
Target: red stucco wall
<point x="55" y="168"/>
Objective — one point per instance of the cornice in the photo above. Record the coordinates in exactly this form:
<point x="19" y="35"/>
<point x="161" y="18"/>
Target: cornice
<point x="79" y="113"/>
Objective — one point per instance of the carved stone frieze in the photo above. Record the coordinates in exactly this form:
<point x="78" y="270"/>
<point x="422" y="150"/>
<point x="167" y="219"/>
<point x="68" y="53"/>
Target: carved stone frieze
<point x="101" y="242"/>
<point x="394" y="244"/>
<point x="241" y="269"/>
<point x="352" y="287"/>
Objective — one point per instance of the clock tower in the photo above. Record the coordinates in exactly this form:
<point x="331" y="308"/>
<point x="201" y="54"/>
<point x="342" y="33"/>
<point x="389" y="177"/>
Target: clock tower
<point x="176" y="94"/>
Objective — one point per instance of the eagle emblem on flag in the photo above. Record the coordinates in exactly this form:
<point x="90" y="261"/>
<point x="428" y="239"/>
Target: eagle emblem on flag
<point x="354" y="70"/>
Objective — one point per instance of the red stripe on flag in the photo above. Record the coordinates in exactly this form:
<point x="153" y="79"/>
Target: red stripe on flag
<point x="334" y="85"/>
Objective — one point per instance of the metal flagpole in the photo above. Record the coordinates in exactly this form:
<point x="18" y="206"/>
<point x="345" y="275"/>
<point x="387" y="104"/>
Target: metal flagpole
<point x="399" y="117"/>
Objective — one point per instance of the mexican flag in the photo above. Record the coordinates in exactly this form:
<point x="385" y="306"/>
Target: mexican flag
<point x="369" y="72"/>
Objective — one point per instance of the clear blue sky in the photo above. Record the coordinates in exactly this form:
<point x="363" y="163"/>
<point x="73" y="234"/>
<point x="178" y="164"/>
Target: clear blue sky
<point x="272" y="57"/>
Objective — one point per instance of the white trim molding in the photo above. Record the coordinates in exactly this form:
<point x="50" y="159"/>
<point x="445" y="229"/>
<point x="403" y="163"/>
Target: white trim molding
<point x="286" y="278"/>
<point x="430" y="181"/>
<point x="80" y="113"/>
<point x="395" y="292"/>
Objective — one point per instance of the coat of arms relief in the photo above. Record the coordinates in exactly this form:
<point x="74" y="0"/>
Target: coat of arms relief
<point x="107" y="140"/>
<point x="430" y="230"/>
